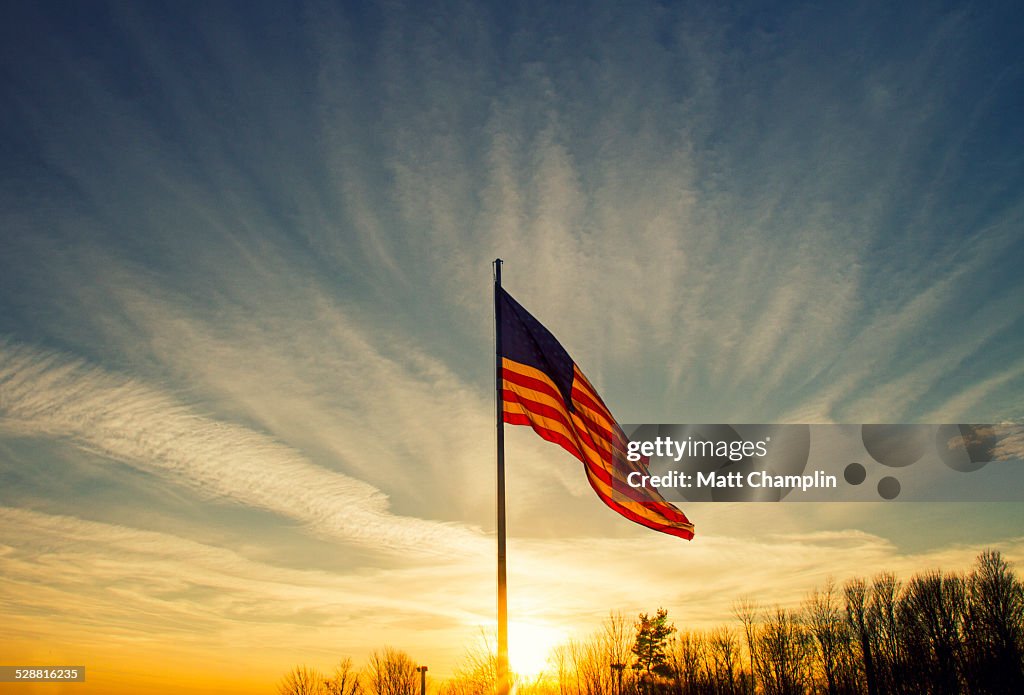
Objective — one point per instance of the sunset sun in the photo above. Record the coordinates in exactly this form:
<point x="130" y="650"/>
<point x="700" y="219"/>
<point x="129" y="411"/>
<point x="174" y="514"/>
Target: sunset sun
<point x="529" y="646"/>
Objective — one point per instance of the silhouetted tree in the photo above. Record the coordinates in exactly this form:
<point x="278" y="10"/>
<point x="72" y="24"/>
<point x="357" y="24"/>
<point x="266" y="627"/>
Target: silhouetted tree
<point x="391" y="672"/>
<point x="593" y="667"/>
<point x="302" y="681"/>
<point x="934" y="608"/>
<point x="345" y="680"/>
<point x="784" y="654"/>
<point x="995" y="614"/>
<point x="855" y="593"/>
<point x="723" y="652"/>
<point x="686" y="656"/>
<point x="888" y="645"/>
<point x="477" y="674"/>
<point x="584" y="666"/>
<point x="832" y="640"/>
<point x="617" y="641"/>
<point x="746" y="611"/>
<point x="651" y="642"/>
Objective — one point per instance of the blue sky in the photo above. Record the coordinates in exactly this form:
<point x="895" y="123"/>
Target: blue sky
<point x="245" y="313"/>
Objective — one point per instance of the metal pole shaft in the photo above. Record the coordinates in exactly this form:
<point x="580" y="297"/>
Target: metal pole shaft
<point x="502" y="665"/>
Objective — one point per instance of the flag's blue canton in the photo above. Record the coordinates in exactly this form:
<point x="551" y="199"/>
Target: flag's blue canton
<point x="525" y="340"/>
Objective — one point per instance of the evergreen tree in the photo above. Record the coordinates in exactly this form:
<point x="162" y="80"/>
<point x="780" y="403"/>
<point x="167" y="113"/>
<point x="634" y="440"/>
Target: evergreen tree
<point x="652" y="634"/>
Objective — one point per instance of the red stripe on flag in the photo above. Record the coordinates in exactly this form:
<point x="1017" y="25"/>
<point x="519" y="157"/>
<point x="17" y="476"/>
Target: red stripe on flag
<point x="638" y="494"/>
<point x="530" y="382"/>
<point x="677" y="526"/>
<point x="550" y="435"/>
<point x="586" y="434"/>
<point x="542" y="409"/>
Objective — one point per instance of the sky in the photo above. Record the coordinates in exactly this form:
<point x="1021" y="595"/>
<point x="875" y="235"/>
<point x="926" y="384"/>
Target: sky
<point x="246" y="340"/>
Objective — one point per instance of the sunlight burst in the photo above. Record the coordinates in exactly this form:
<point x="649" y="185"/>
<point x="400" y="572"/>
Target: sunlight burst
<point x="529" y="645"/>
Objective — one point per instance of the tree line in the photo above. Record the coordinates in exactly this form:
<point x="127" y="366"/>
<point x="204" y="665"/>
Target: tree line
<point x="938" y="633"/>
<point x="388" y="672"/>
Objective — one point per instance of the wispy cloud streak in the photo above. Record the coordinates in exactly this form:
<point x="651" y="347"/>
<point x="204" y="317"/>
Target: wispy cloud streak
<point x="47" y="395"/>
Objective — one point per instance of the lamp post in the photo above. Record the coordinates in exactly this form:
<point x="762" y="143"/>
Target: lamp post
<point x="422" y="670"/>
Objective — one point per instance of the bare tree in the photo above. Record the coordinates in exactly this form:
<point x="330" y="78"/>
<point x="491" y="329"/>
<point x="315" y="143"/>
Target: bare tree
<point x="593" y="666"/>
<point x="391" y="672"/>
<point x="995" y="612"/>
<point x="577" y="674"/>
<point x="345" y="680"/>
<point x="784" y="654"/>
<point x="888" y="646"/>
<point x="562" y="660"/>
<point x="934" y="613"/>
<point x="599" y="664"/>
<point x="746" y="610"/>
<point x="477" y="674"/>
<point x="687" y="658"/>
<point x="617" y="640"/>
<point x="302" y="680"/>
<point x="832" y="639"/>
<point x="855" y="593"/>
<point x="723" y="660"/>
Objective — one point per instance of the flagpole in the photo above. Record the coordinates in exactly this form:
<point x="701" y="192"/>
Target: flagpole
<point x="502" y="665"/>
